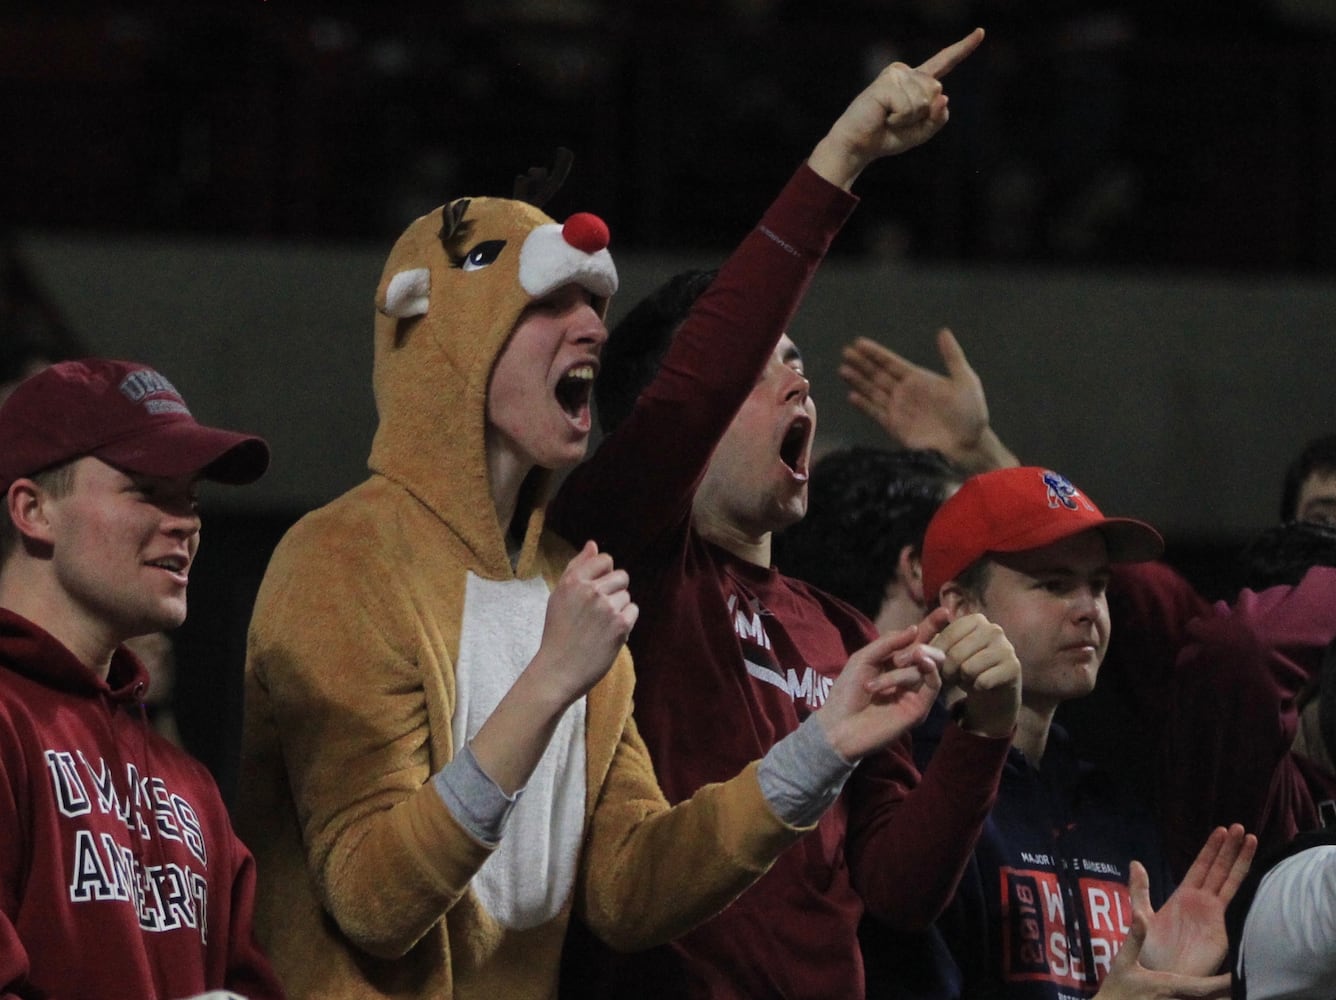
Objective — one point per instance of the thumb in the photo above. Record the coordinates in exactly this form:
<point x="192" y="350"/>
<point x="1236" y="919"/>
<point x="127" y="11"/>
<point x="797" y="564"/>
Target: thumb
<point x="1130" y="952"/>
<point x="1138" y="885"/>
<point x="928" y="629"/>
<point x="1125" y="966"/>
<point x="579" y="561"/>
<point x="953" y="355"/>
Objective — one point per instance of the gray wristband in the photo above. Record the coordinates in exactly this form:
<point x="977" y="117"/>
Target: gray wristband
<point x="802" y="774"/>
<point x="474" y="799"/>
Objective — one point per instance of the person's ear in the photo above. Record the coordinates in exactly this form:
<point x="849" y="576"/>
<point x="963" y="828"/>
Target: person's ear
<point x="26" y="505"/>
<point x="909" y="571"/>
<point x="957" y="601"/>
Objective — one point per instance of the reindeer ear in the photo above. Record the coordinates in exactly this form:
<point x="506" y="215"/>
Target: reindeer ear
<point x="408" y="294"/>
<point x="540" y="183"/>
<point x="452" y="218"/>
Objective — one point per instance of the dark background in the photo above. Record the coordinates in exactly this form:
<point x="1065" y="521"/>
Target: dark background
<point x="1107" y="133"/>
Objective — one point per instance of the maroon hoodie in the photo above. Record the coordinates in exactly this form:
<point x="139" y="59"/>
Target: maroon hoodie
<point x="120" y="875"/>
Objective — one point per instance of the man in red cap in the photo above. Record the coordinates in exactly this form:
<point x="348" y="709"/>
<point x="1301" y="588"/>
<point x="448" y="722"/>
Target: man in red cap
<point x="1065" y="861"/>
<point x="120" y="874"/>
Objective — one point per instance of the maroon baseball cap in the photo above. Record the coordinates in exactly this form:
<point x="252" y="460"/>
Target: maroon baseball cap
<point x="1018" y="509"/>
<point x="124" y="413"/>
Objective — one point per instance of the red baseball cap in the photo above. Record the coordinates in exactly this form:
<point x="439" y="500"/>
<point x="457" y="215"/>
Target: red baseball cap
<point x="124" y="413"/>
<point x="1018" y="509"/>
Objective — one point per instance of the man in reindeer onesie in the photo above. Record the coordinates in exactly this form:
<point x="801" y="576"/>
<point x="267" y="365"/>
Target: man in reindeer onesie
<point x="440" y="764"/>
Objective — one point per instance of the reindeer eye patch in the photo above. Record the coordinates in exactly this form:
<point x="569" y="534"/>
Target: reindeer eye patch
<point x="480" y="256"/>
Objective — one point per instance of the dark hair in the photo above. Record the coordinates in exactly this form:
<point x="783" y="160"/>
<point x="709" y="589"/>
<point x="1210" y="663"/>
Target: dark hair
<point x="637" y="343"/>
<point x="864" y="506"/>
<point x="1283" y="554"/>
<point x="973" y="580"/>
<point x="1318" y="456"/>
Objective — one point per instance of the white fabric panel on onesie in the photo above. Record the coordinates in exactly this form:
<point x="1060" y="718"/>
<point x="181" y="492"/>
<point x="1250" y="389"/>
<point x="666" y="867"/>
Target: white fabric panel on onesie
<point x="528" y="878"/>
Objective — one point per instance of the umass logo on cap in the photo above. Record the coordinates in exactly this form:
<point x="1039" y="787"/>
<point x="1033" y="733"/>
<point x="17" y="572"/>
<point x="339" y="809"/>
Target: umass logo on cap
<point x="140" y="385"/>
<point x="1061" y="491"/>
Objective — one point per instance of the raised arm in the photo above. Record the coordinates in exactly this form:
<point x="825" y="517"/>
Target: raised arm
<point x="1234" y="715"/>
<point x="920" y="408"/>
<point x="902" y="108"/>
<point x="640" y="482"/>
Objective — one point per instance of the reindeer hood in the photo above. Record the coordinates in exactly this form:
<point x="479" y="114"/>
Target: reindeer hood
<point x="452" y="291"/>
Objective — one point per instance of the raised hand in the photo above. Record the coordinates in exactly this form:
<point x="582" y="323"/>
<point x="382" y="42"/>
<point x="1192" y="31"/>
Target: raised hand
<point x="1187" y="935"/>
<point x="902" y="108"/>
<point x="920" y="408"/>
<point x="981" y="662"/>
<point x="885" y="689"/>
<point x="1174" y="952"/>
<point x="589" y="616"/>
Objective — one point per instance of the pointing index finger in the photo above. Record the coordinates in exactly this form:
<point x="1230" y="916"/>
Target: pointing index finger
<point x="952" y="56"/>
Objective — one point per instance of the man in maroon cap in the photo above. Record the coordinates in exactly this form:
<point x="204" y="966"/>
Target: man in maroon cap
<point x="119" y="871"/>
<point x="1067" y="869"/>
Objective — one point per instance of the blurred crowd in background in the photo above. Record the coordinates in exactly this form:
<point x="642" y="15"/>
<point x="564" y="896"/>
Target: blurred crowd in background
<point x="292" y="119"/>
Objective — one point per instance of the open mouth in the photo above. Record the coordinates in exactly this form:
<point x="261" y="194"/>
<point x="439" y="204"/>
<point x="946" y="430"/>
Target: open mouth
<point x="574" y="389"/>
<point x="176" y="565"/>
<point x="793" y="449"/>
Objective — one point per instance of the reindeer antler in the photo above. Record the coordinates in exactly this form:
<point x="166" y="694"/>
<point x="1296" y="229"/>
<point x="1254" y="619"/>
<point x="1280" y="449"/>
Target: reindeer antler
<point x="540" y="183"/>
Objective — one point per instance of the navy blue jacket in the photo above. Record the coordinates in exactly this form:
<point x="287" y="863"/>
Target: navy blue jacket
<point x="1043" y="906"/>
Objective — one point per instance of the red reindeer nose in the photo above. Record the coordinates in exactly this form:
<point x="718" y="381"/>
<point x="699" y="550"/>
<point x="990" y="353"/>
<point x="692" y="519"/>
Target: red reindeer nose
<point x="586" y="232"/>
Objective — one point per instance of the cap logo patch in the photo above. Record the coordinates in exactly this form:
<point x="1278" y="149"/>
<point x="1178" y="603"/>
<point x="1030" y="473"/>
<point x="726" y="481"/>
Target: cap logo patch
<point x="1061" y="492"/>
<point x="139" y="385"/>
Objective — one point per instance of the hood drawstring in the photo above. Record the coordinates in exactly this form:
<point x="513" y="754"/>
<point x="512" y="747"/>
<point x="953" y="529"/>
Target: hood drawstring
<point x="159" y="855"/>
<point x="140" y="813"/>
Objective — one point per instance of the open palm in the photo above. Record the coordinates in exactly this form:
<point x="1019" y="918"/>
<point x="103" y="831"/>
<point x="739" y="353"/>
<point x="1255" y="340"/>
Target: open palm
<point x="1187" y="934"/>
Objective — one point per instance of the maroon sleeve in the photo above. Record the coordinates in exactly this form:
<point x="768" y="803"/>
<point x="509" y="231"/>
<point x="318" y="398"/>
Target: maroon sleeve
<point x="640" y="482"/>
<point x="15" y="966"/>
<point x="13" y="962"/>
<point x="1227" y="749"/>
<point x="1150" y="606"/>
<point x="907" y="851"/>
<point x="248" y="970"/>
